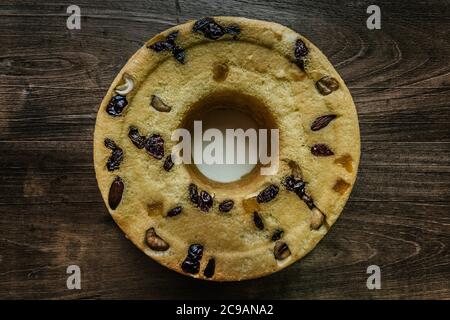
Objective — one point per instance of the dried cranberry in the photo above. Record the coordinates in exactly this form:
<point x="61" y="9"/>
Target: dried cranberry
<point x="267" y="194"/>
<point x="116" y="105"/>
<point x="155" y="146"/>
<point x="205" y="201"/>
<point x="136" y="138"/>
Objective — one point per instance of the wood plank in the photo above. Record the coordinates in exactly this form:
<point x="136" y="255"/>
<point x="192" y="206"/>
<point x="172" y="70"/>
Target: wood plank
<point x="408" y="241"/>
<point x="61" y="114"/>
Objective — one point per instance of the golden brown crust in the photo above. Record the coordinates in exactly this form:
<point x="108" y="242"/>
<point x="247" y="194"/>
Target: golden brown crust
<point x="260" y="63"/>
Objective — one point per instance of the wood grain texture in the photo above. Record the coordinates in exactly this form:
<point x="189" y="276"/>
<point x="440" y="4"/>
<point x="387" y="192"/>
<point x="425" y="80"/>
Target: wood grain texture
<point x="51" y="214"/>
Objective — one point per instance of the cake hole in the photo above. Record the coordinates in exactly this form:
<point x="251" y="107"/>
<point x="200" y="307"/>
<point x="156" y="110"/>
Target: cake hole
<point x="239" y="161"/>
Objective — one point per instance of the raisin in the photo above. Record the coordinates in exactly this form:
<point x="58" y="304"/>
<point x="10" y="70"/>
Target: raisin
<point x="267" y="194"/>
<point x="210" y="268"/>
<point x="322" y="122"/>
<point x="116" y="105"/>
<point x="277" y="235"/>
<point x="192" y="262"/>
<point x="195" y="251"/>
<point x="281" y="250"/>
<point x="321" y="150"/>
<point x="190" y="266"/>
<point x="309" y="201"/>
<point x="169" y="45"/>
<point x="174" y="212"/>
<point x="155" y="146"/>
<point x="116" y="157"/>
<point x="154" y="241"/>
<point x="110" y="144"/>
<point x="212" y="30"/>
<point x="171" y="37"/>
<point x="258" y="221"/>
<point x="205" y="201"/>
<point x="295" y="185"/>
<point x="193" y="194"/>
<point x="115" y="193"/>
<point x="234" y="30"/>
<point x="178" y="54"/>
<point x="301" y="50"/>
<point x="327" y="85"/>
<point x="226" y="206"/>
<point x="136" y="138"/>
<point x="168" y="163"/>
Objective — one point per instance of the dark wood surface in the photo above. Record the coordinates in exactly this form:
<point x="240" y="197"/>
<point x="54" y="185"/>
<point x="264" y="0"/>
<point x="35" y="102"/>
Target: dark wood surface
<point x="51" y="214"/>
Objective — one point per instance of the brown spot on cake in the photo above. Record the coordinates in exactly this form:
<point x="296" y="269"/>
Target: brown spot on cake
<point x="346" y="161"/>
<point x="341" y="186"/>
<point x="220" y="72"/>
<point x="154" y="208"/>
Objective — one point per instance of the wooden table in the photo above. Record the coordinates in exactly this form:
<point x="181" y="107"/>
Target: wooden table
<point x="51" y="214"/>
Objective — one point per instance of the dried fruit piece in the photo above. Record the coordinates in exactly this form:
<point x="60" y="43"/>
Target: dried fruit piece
<point x="155" y="146"/>
<point x="277" y="234"/>
<point x="205" y="201"/>
<point x="220" y="72"/>
<point x="341" y="186"/>
<point x="346" y="161"/>
<point x="308" y="200"/>
<point x="136" y="138"/>
<point x="258" y="221"/>
<point x="267" y="194"/>
<point x="115" y="193"/>
<point x="210" y="268"/>
<point x="295" y="185"/>
<point x="169" y="45"/>
<point x="281" y="250"/>
<point x="226" y="206"/>
<point x="168" y="163"/>
<point x="317" y="218"/>
<point x="212" y="30"/>
<point x="116" y="105"/>
<point x="300" y="52"/>
<point x="154" y="241"/>
<point x="159" y="105"/>
<point x="322" y="122"/>
<point x="116" y="157"/>
<point x="193" y="194"/>
<point x="327" y="85"/>
<point x="321" y="150"/>
<point x="174" y="212"/>
<point x="192" y="262"/>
